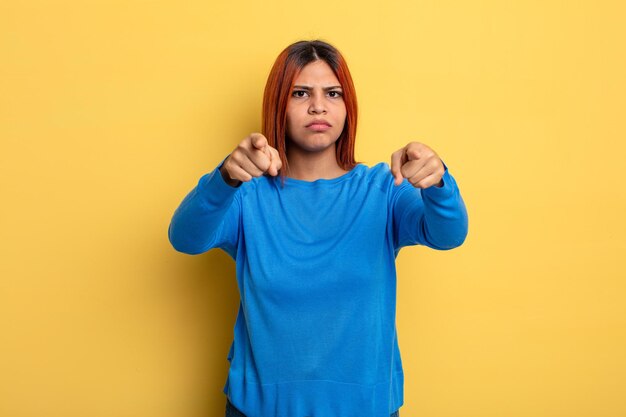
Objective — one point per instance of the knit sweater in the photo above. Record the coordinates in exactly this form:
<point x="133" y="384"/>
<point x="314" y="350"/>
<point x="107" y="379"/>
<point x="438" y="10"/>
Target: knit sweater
<point x="315" y="335"/>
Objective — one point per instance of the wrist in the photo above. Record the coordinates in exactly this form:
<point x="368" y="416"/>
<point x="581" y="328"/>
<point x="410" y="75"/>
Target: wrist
<point x="227" y="179"/>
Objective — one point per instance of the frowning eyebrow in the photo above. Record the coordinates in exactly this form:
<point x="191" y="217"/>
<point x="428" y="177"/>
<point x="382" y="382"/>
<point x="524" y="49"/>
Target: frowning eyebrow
<point x="306" y="87"/>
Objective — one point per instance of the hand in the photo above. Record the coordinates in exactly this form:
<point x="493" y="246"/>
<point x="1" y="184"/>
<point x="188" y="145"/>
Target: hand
<point x="419" y="164"/>
<point x="251" y="158"/>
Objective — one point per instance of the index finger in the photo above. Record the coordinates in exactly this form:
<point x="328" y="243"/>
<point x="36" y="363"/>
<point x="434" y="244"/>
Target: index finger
<point x="259" y="141"/>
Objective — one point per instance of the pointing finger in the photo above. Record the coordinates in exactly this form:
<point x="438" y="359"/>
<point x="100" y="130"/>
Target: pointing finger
<point x="259" y="141"/>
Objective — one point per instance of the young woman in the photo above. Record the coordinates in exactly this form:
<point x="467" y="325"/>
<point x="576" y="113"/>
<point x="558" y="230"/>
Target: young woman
<point x="314" y="235"/>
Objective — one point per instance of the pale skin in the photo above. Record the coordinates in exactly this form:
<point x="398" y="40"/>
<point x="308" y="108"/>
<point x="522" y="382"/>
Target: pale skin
<point x="317" y="94"/>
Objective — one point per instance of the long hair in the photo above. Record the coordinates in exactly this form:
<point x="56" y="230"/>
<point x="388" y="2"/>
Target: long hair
<point x="286" y="68"/>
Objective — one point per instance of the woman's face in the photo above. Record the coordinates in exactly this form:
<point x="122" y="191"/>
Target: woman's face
<point x="316" y="96"/>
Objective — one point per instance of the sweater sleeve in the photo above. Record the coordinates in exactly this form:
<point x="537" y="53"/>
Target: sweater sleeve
<point x="435" y="217"/>
<point x="208" y="217"/>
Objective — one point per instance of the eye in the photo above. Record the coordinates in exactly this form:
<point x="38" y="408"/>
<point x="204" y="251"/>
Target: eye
<point x="337" y="94"/>
<point x="299" y="93"/>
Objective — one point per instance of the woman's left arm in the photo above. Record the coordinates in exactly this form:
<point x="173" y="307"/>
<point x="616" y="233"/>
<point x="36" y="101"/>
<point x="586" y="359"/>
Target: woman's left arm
<point x="426" y="203"/>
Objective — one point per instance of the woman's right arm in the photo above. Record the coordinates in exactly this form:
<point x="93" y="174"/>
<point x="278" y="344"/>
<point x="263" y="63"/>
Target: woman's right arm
<point x="209" y="216"/>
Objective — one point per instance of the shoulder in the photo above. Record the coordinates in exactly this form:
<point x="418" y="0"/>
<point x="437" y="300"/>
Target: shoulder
<point x="378" y="175"/>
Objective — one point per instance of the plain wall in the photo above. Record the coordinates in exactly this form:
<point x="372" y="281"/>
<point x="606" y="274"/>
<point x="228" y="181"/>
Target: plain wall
<point x="111" y="111"/>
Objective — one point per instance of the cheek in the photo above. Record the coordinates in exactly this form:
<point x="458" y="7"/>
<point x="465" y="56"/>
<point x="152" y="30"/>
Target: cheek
<point x="291" y="116"/>
<point x="343" y="119"/>
<point x="343" y="112"/>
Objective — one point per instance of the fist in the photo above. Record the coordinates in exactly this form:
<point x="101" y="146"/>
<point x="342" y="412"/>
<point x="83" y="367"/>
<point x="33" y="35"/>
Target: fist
<point x="253" y="157"/>
<point x="419" y="164"/>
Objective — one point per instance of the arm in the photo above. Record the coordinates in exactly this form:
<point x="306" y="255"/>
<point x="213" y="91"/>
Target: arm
<point x="208" y="217"/>
<point x="435" y="216"/>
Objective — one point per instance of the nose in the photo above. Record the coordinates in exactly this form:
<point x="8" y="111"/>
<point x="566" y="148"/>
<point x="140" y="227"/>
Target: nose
<point x="317" y="104"/>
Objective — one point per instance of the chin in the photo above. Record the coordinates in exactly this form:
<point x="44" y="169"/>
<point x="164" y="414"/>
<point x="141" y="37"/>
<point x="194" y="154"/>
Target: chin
<point x="315" y="147"/>
<point x="313" y="143"/>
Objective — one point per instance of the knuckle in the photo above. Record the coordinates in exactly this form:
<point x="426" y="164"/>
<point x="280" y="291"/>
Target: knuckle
<point x="234" y="158"/>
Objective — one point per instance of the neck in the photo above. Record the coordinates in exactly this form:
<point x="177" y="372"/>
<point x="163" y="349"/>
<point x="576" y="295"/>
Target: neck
<point x="311" y="166"/>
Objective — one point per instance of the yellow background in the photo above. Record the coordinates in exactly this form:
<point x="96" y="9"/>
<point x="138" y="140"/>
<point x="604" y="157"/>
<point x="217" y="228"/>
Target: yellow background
<point x="112" y="110"/>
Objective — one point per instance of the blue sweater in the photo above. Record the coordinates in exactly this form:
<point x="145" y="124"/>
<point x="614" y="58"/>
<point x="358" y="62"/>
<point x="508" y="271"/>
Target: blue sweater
<point x="315" y="335"/>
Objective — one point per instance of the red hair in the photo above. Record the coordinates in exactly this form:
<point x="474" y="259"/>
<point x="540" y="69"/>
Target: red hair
<point x="286" y="68"/>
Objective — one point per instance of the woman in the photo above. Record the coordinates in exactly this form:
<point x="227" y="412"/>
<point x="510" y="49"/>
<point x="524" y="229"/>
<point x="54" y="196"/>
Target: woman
<point x="314" y="235"/>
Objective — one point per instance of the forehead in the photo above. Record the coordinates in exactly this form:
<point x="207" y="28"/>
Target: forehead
<point x="316" y="72"/>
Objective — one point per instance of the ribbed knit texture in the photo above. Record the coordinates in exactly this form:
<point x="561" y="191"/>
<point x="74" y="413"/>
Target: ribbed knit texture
<point x="315" y="334"/>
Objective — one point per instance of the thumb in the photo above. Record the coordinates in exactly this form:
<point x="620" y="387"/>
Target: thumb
<point x="397" y="159"/>
<point x="275" y="162"/>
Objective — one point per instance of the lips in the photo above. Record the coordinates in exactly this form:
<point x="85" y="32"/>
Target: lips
<point x="318" y="123"/>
